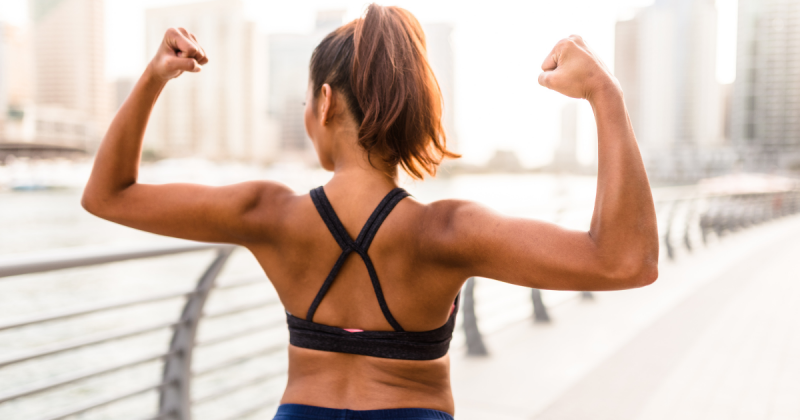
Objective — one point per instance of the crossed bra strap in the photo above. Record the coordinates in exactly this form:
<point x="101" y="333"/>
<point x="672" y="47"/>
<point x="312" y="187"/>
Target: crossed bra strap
<point x="359" y="246"/>
<point x="397" y="344"/>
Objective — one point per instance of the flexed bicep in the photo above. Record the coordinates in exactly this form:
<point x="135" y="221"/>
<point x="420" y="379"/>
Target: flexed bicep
<point x="529" y="252"/>
<point x="240" y="213"/>
<point x="217" y="214"/>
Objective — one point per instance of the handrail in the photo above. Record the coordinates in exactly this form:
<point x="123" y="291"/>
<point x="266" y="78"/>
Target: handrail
<point x="89" y="373"/>
<point x="251" y="307"/>
<point x="15" y="265"/>
<point x="174" y="388"/>
<point x="178" y="366"/>
<point x="221" y="392"/>
<point x="71" y="313"/>
<point x="239" y="359"/>
<point x="103" y="402"/>
<point x="76" y="344"/>
<point x="238" y="334"/>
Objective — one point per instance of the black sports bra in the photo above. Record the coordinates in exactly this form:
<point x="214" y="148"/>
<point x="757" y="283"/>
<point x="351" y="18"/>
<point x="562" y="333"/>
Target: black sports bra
<point x="397" y="344"/>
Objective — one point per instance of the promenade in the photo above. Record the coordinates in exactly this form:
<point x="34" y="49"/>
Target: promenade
<point x="716" y="337"/>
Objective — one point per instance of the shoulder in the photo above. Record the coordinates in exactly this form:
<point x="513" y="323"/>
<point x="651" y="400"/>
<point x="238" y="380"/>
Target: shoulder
<point x="452" y="216"/>
<point x="449" y="228"/>
<point x="257" y="195"/>
<point x="262" y="204"/>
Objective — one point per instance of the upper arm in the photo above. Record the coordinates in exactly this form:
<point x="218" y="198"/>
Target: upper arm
<point x="527" y="252"/>
<point x="238" y="213"/>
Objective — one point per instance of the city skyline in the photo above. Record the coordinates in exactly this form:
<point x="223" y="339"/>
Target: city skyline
<point x="766" y="99"/>
<point x="53" y="74"/>
<point x="497" y="56"/>
<point x="664" y="60"/>
<point x="221" y="113"/>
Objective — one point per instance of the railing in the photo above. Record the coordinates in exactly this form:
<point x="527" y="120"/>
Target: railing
<point x="688" y="221"/>
<point x="174" y="386"/>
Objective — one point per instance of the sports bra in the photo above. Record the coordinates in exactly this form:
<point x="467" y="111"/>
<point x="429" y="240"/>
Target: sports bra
<point x="397" y="344"/>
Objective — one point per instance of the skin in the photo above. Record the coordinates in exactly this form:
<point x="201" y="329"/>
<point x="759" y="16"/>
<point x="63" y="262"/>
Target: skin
<point x="423" y="253"/>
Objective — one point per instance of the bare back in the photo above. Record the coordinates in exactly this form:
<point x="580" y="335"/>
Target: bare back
<point x="418" y="291"/>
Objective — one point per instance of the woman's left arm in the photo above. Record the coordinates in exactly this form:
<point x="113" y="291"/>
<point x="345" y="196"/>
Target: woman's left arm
<point x="232" y="214"/>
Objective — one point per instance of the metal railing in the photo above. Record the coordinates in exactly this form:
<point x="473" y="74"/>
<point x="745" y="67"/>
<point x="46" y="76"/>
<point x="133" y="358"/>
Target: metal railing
<point x="688" y="222"/>
<point x="689" y="219"/>
<point x="174" y="386"/>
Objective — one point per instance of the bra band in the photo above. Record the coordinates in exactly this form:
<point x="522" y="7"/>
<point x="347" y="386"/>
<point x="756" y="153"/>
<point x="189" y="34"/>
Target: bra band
<point x="397" y="344"/>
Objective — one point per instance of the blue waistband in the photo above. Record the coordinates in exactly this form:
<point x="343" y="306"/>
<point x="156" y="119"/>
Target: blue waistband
<point x="307" y="412"/>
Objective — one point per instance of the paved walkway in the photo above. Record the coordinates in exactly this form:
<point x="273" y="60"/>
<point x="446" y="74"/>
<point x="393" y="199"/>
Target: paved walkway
<point x="716" y="337"/>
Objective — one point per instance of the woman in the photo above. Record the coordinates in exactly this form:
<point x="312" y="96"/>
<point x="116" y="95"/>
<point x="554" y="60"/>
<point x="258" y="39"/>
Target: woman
<point x="371" y="318"/>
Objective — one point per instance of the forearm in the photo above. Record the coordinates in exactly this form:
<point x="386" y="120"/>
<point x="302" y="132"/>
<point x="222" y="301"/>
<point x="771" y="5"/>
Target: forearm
<point x="624" y="225"/>
<point x="116" y="165"/>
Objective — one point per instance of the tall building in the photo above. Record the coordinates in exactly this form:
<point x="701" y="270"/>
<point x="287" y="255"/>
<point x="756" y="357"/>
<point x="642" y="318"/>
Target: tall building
<point x="7" y="64"/>
<point x="120" y="89"/>
<point x="440" y="55"/>
<point x="666" y="63"/>
<point x="577" y="139"/>
<point x="68" y="73"/>
<point x="765" y="115"/>
<point x="566" y="154"/>
<point x="289" y="57"/>
<point x="220" y="113"/>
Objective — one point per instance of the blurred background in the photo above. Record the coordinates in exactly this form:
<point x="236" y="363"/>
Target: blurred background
<point x="99" y="321"/>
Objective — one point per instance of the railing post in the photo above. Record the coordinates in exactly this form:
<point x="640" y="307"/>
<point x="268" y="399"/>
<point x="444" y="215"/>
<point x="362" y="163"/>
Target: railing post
<point x="668" y="233"/>
<point x="690" y="214"/>
<point x="175" y="398"/>
<point x="539" y="310"/>
<point x="475" y="346"/>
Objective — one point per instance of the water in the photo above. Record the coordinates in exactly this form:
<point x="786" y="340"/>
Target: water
<point x="37" y="220"/>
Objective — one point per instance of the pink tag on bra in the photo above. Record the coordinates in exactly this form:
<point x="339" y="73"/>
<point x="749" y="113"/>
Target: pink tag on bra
<point x="352" y="330"/>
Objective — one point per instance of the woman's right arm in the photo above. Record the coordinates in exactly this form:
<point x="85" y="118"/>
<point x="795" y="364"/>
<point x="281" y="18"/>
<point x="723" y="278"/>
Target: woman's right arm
<point x="619" y="251"/>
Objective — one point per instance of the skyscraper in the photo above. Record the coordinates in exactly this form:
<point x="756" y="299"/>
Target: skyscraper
<point x="4" y="64"/>
<point x="566" y="157"/>
<point x="440" y="55"/>
<point x="289" y="57"/>
<point x="68" y="72"/>
<point x="765" y="115"/>
<point x="220" y="113"/>
<point x="666" y="64"/>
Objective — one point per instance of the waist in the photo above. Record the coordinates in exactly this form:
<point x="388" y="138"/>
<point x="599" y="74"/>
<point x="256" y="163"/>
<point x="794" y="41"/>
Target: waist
<point x="340" y="380"/>
<point x="303" y="412"/>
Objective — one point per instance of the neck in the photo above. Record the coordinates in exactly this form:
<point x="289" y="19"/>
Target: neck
<point x="353" y="167"/>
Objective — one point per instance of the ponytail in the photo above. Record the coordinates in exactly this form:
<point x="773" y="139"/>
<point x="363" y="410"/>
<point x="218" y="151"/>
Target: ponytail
<point x="379" y="63"/>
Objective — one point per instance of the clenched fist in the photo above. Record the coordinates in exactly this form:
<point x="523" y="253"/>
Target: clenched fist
<point x="574" y="70"/>
<point x="179" y="52"/>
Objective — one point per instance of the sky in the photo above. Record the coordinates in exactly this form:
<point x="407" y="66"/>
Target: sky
<point x="499" y="46"/>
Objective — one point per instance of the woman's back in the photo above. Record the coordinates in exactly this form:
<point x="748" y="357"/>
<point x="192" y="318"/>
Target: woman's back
<point x="413" y="282"/>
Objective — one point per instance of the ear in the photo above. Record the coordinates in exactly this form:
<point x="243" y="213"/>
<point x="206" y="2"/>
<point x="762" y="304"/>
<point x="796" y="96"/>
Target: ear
<point x="325" y="104"/>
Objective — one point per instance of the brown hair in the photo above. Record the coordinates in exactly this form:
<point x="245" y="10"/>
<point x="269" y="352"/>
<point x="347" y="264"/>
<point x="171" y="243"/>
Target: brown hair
<point x="379" y="64"/>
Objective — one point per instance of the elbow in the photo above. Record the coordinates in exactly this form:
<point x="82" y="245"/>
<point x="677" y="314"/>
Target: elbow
<point x="88" y="203"/>
<point x="631" y="274"/>
<point x="93" y="204"/>
<point x="646" y="275"/>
